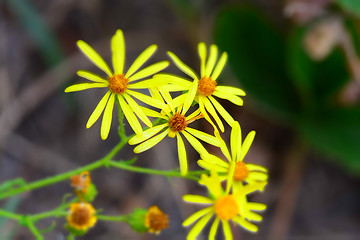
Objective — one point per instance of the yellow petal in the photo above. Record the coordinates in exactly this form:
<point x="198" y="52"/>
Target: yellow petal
<point x="202" y="54"/>
<point x="84" y="86"/>
<point x="147" y="134"/>
<point x="209" y="107"/>
<point x="179" y="100"/>
<point x="194" y="114"/>
<point x="197" y="199"/>
<point x="258" y="176"/>
<point x="230" y="90"/>
<point x="176" y="88"/>
<point x="182" y="66"/>
<point x="174" y="79"/>
<point x="150" y="70"/>
<point x="94" y="57"/>
<point x="137" y="110"/>
<point x="182" y="155"/>
<point x="227" y="230"/>
<point x="245" y="224"/>
<point x="251" y="216"/>
<point x="213" y="229"/>
<point x="195" y="216"/>
<point x="219" y="67"/>
<point x="232" y="98"/>
<point x="92" y="76"/>
<point x="253" y="167"/>
<point x="154" y="92"/>
<point x="228" y="118"/>
<point x="256" y="206"/>
<point x="235" y="140"/>
<point x="203" y="111"/>
<point x="204" y="136"/>
<point x="107" y="118"/>
<point x="151" y="83"/>
<point x="223" y="146"/>
<point x="98" y="110"/>
<point x="246" y="144"/>
<point x="190" y="97"/>
<point x="130" y="116"/>
<point x="151" y="142"/>
<point x="215" y="160"/>
<point x="152" y="113"/>
<point x="198" y="227"/>
<point x="212" y="60"/>
<point x="195" y="143"/>
<point x="208" y="166"/>
<point x="166" y="95"/>
<point x="146" y="99"/>
<point x="230" y="176"/>
<point x="118" y="51"/>
<point x="141" y="59"/>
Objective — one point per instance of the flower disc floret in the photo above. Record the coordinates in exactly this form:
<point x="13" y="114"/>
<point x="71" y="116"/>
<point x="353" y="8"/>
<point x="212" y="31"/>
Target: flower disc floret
<point x="226" y="207"/>
<point x="177" y="123"/>
<point x="241" y="171"/>
<point x="81" y="216"/>
<point x="156" y="220"/>
<point x="118" y="83"/>
<point x="206" y="86"/>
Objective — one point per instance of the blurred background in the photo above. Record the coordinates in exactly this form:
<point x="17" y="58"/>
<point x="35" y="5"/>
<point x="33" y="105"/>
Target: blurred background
<point x="297" y="60"/>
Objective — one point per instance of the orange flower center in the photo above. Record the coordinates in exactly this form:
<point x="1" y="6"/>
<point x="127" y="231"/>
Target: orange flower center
<point x="156" y="220"/>
<point x="81" y="182"/>
<point x="177" y="123"/>
<point x="118" y="83"/>
<point x="80" y="216"/>
<point x="226" y="207"/>
<point x="241" y="171"/>
<point x="206" y="86"/>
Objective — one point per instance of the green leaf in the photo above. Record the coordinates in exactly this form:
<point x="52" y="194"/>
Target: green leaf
<point x="351" y="6"/>
<point x="335" y="133"/>
<point x="257" y="57"/>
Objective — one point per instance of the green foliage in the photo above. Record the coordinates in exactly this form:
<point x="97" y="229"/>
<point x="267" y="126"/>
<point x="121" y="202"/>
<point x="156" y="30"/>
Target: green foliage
<point x="351" y="6"/>
<point x="90" y="194"/>
<point x="136" y="220"/>
<point x="286" y="84"/>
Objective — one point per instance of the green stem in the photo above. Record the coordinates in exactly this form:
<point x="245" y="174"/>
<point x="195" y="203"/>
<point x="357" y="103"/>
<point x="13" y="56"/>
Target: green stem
<point x="123" y="218"/>
<point x="170" y="173"/>
<point x="121" y="129"/>
<point x="30" y="224"/>
<point x="65" y="176"/>
<point x="10" y="215"/>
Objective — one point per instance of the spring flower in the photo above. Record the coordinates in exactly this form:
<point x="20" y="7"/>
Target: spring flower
<point x="176" y="122"/>
<point x="156" y="220"/>
<point x="81" y="182"/>
<point x="81" y="216"/>
<point x="224" y="205"/>
<point x="234" y="169"/>
<point x="205" y="87"/>
<point x="120" y="85"/>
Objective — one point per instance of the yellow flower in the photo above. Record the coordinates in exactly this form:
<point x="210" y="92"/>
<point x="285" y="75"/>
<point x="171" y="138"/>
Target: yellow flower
<point x="205" y="86"/>
<point x="225" y="206"/>
<point x="234" y="169"/>
<point x="120" y="84"/>
<point x="81" y="216"/>
<point x="176" y="123"/>
<point x="81" y="182"/>
<point x="156" y="220"/>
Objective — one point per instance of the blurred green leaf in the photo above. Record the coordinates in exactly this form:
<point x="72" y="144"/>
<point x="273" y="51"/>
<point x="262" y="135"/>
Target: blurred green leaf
<point x="257" y="57"/>
<point x="351" y="6"/>
<point x="335" y="133"/>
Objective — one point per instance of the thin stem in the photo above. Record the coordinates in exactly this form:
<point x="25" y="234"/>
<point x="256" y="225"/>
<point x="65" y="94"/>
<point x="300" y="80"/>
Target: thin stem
<point x="10" y="215"/>
<point x="123" y="218"/>
<point x="65" y="176"/>
<point x="30" y="224"/>
<point x="170" y="173"/>
<point x="121" y="129"/>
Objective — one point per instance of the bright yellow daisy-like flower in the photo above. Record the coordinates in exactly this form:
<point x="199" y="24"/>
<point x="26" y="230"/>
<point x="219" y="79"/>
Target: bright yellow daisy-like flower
<point x="204" y="88"/>
<point x="176" y="122"/>
<point x="81" y="216"/>
<point x="234" y="169"/>
<point x="120" y="85"/>
<point x="225" y="206"/>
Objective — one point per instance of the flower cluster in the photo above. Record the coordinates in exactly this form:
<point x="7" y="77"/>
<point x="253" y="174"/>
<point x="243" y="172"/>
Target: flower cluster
<point x="197" y="99"/>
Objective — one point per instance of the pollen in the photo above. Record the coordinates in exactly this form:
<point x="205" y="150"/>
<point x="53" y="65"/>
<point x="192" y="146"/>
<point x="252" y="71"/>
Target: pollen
<point x="156" y="220"/>
<point x="206" y="86"/>
<point x="241" y="171"/>
<point x="81" y="216"/>
<point x="118" y="83"/>
<point x="177" y="123"/>
<point x="226" y="207"/>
